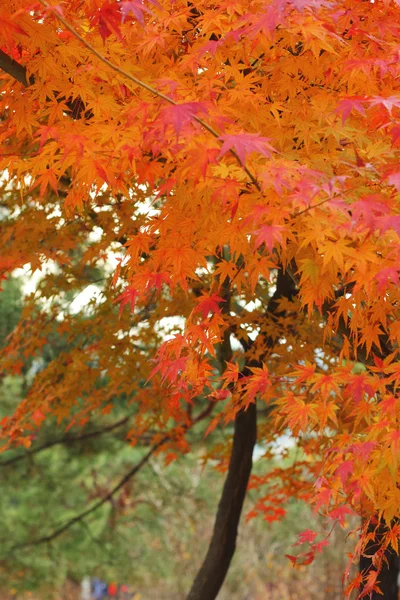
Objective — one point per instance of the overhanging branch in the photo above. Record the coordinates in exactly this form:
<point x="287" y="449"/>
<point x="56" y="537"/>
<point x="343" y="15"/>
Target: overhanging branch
<point x="14" y="68"/>
<point x="68" y="439"/>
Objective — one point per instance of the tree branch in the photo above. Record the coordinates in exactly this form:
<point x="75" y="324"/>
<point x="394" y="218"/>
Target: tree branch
<point x="79" y="517"/>
<point x="68" y="439"/>
<point x="14" y="68"/>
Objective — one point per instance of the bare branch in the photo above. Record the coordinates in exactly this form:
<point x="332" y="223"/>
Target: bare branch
<point x="68" y="439"/>
<point x="14" y="68"/>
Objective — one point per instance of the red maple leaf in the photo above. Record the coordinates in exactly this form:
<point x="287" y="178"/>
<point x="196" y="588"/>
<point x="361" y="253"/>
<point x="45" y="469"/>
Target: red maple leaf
<point x="395" y="133"/>
<point x="346" y="105"/>
<point x="207" y="304"/>
<point x="344" y="470"/>
<point x="389" y="103"/>
<point x="108" y="20"/>
<point x="129" y="296"/>
<point x="385" y="276"/>
<point x="394" y="179"/>
<point x="267" y="21"/>
<point x="268" y="235"/>
<point x="244" y="144"/>
<point x="293" y="559"/>
<point x="307" y="536"/>
<point x="366" y="210"/>
<point x="340" y="513"/>
<point x="300" y="5"/>
<point x="358" y="386"/>
<point x="137" y="8"/>
<point x="179" y="115"/>
<point x="38" y="417"/>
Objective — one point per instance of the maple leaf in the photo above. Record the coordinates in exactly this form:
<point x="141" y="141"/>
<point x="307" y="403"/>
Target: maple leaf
<point x="355" y="584"/>
<point x="268" y="235"/>
<point x="244" y="144"/>
<point x="389" y="103"/>
<point x="272" y="15"/>
<point x="225" y="269"/>
<point x="370" y="584"/>
<point x="299" y="413"/>
<point x="363" y="449"/>
<point x="108" y="19"/>
<point x="219" y="395"/>
<point x="200" y="157"/>
<point x="230" y="374"/>
<point x="9" y="28"/>
<point x="322" y="498"/>
<point x="273" y="513"/>
<point x="394" y="179"/>
<point x="47" y="178"/>
<point x="385" y="276"/>
<point x="304" y="537"/>
<point x="170" y="369"/>
<point x="179" y="115"/>
<point x="366" y="210"/>
<point x="129" y="296"/>
<point x="395" y="133"/>
<point x="257" y="383"/>
<point x="319" y="546"/>
<point x="208" y="303"/>
<point x="370" y="336"/>
<point x="340" y="513"/>
<point x="358" y="386"/>
<point x="304" y="372"/>
<point x="38" y="417"/>
<point x="344" y="470"/>
<point x="137" y="8"/>
<point x="350" y="103"/>
<point x="293" y="559"/>
<point x="45" y="133"/>
<point x="209" y="47"/>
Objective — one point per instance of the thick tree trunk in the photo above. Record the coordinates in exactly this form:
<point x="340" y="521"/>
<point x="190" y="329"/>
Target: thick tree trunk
<point x="223" y="542"/>
<point x="388" y="577"/>
<point x="212" y="573"/>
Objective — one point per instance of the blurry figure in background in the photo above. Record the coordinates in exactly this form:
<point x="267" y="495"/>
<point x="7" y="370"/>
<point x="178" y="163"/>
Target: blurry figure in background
<point x="124" y="592"/>
<point x="99" y="589"/>
<point x="86" y="588"/>
<point x="112" y="590"/>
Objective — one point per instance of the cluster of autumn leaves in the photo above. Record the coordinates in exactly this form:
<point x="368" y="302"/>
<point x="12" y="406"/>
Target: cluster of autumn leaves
<point x="216" y="145"/>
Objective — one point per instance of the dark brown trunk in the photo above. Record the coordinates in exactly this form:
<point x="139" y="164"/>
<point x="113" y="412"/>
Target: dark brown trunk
<point x="212" y="573"/>
<point x="387" y="578"/>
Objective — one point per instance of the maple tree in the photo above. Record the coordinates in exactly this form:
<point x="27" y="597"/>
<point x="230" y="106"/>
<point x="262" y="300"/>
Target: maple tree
<point x="233" y="168"/>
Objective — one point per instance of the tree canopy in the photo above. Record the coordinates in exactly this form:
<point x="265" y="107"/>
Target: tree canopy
<point x="219" y="182"/>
